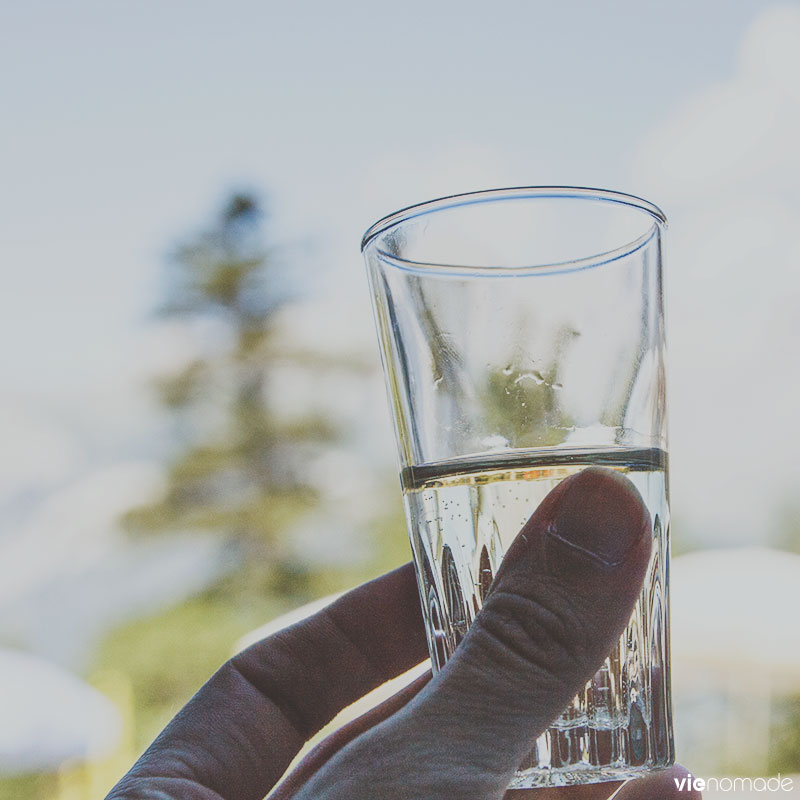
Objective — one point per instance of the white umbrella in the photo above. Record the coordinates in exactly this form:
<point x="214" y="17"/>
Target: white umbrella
<point x="49" y="716"/>
<point x="736" y="611"/>
<point x="735" y="649"/>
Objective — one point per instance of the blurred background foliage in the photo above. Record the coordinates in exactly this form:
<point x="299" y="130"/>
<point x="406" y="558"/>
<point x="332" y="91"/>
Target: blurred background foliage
<point x="238" y="471"/>
<point x="234" y="469"/>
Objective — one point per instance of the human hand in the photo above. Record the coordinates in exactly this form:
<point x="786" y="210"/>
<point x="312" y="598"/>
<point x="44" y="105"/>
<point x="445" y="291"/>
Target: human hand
<point x="560" y="600"/>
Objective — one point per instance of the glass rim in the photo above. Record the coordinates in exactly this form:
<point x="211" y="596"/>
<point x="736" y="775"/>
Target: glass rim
<point x="396" y="218"/>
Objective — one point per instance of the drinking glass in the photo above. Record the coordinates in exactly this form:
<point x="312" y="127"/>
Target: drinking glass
<point x="522" y="339"/>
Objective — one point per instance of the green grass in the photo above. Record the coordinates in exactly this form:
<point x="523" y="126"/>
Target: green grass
<point x="28" y="787"/>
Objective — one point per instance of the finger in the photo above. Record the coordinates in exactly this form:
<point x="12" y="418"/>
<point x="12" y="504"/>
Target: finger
<point x="240" y="732"/>
<point x="326" y="749"/>
<point x="665" y="785"/>
<point x="560" y="601"/>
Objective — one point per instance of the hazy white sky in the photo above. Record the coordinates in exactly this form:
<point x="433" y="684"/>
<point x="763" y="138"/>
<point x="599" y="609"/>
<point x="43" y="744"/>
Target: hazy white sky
<point x="726" y="164"/>
<point x="124" y="124"/>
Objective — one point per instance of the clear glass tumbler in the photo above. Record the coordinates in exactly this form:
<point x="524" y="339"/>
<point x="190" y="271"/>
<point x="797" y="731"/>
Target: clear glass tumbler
<point x="522" y="338"/>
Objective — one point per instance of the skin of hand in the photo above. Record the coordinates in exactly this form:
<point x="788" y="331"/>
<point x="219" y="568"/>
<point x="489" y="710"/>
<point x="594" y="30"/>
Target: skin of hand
<point x="557" y="605"/>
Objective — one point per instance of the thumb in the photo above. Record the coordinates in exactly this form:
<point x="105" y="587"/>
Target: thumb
<point x="558" y="604"/>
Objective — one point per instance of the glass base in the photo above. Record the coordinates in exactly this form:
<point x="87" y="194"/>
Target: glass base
<point x="577" y="774"/>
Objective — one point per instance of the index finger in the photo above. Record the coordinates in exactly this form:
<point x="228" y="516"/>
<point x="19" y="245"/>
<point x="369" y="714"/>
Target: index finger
<point x="238" y="734"/>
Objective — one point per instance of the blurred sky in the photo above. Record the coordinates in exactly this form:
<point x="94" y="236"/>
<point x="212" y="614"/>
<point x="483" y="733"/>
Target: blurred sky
<point x="124" y="125"/>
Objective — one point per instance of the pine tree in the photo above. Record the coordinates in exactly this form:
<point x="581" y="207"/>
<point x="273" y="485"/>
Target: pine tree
<point x="235" y="469"/>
